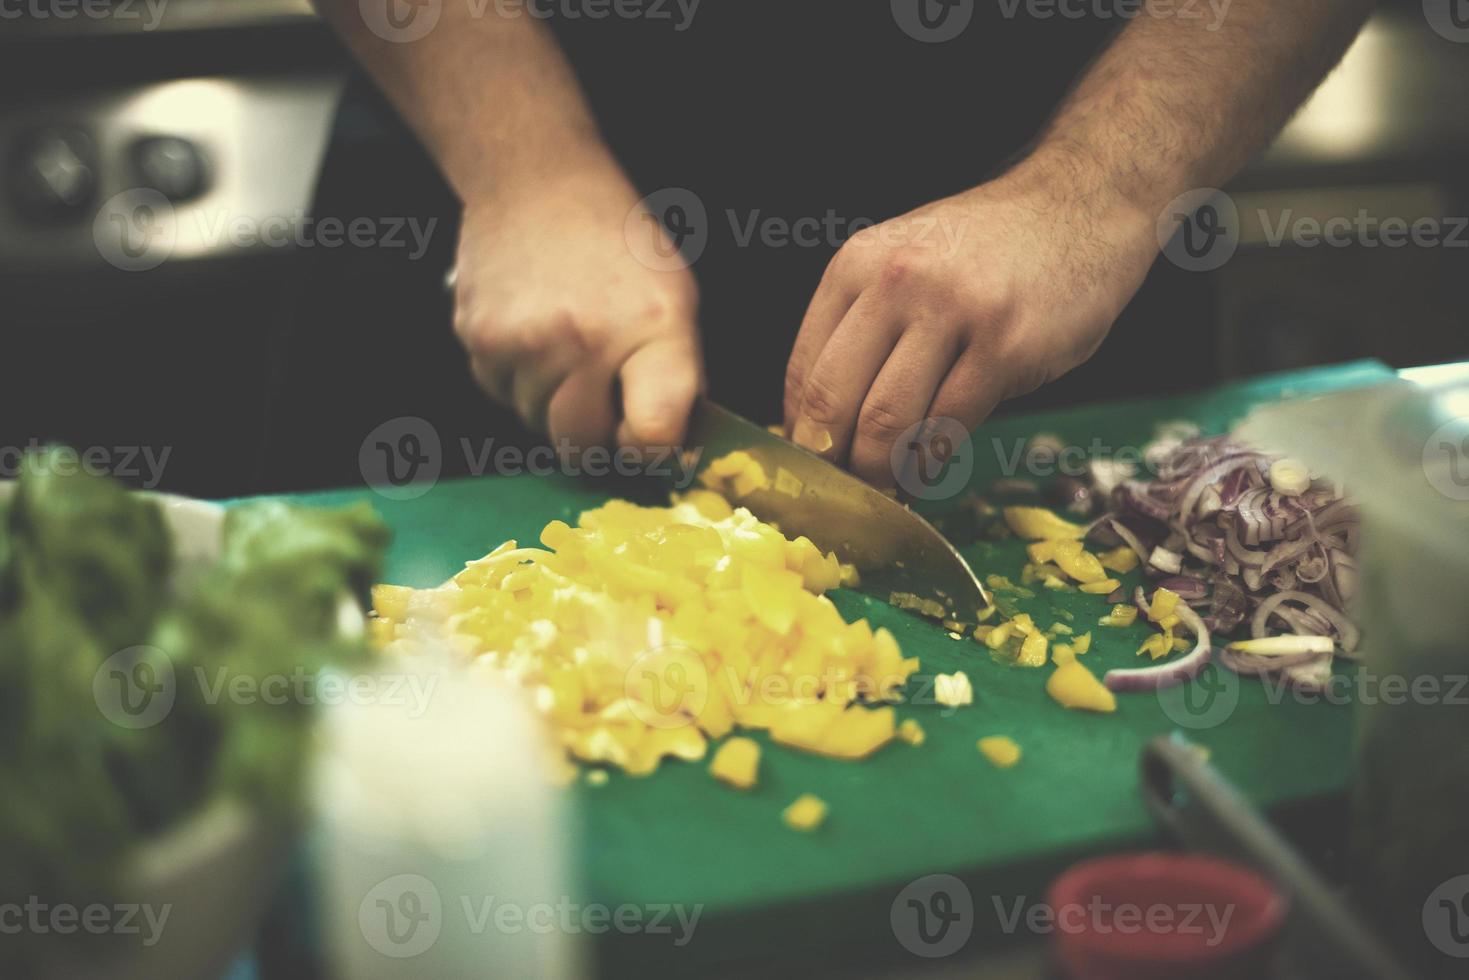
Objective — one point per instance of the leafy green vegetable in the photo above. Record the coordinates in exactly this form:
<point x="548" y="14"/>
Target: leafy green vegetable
<point x="88" y="607"/>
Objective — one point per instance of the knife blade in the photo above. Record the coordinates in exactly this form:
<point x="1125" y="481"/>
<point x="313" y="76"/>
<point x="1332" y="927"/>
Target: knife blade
<point x="895" y="549"/>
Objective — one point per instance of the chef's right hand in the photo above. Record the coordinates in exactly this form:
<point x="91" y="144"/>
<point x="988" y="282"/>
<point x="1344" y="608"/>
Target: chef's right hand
<point x="573" y="313"/>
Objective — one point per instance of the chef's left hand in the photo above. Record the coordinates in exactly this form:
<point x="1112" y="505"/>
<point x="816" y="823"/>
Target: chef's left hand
<point x="948" y="310"/>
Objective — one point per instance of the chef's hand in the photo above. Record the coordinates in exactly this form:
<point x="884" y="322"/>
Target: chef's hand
<point x="566" y="319"/>
<point x="957" y="306"/>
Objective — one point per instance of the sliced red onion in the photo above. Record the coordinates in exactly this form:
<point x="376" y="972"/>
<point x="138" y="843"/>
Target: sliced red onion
<point x="1187" y="587"/>
<point x="1166" y="561"/>
<point x="1255" y="665"/>
<point x="1170" y="673"/>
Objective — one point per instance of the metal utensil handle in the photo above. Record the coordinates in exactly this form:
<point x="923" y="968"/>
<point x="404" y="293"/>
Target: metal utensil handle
<point x="1202" y="811"/>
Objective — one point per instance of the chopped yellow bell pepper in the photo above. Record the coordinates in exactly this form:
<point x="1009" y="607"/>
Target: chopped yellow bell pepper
<point x="1083" y="643"/>
<point x="997" y="635"/>
<point x="1158" y="645"/>
<point x="1062" y="653"/>
<point x="1121" y="560"/>
<point x="911" y="732"/>
<point x="1104" y="587"/>
<point x="1163" y="604"/>
<point x="1000" y="750"/>
<point x="1038" y="524"/>
<point x="1056" y="585"/>
<point x="1023" y="625"/>
<point x="1073" y="686"/>
<point x="806" y="813"/>
<point x="1033" y="651"/>
<point x="737" y="763"/>
<point x="1082" y="567"/>
<point x="391" y="601"/>
<point x="953" y="690"/>
<point x="1121" y="615"/>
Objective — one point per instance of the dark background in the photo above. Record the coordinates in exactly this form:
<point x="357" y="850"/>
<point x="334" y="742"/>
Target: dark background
<point x="264" y="368"/>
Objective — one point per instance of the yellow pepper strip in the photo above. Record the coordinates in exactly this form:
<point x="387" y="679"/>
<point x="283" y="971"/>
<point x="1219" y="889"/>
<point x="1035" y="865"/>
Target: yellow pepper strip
<point x="1073" y="686"/>
<point x="1083" y="643"/>
<point x="805" y="814"/>
<point x="911" y="732"/>
<point x="1056" y="585"/>
<point x="1082" y="566"/>
<point x="1038" y="524"/>
<point x="1158" y="645"/>
<point x="1121" y="615"/>
<point x="1041" y="552"/>
<point x="1062" y="653"/>
<point x="986" y="614"/>
<point x="998" y="635"/>
<point x="1120" y="560"/>
<point x="1104" y="587"/>
<point x="737" y="763"/>
<point x="1023" y="624"/>
<point x="1163" y="604"/>
<point x="1060" y="628"/>
<point x="982" y="633"/>
<point x="1000" y="750"/>
<point x="1033" y="651"/>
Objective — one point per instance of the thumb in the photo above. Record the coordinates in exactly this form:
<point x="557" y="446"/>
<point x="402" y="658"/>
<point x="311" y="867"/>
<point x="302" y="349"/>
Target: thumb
<point x="659" y="383"/>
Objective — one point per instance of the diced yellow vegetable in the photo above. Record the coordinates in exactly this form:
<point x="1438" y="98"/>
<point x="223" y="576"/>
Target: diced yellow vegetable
<point x="1038" y="524"/>
<point x="649" y="631"/>
<point x="982" y="633"/>
<point x="737" y="763"/>
<point x="597" y="777"/>
<point x="1023" y="625"/>
<point x="1041" y="552"/>
<point x="1104" y="587"/>
<point x="1082" y="567"/>
<point x="391" y="601"/>
<point x="1055" y="584"/>
<point x="911" y="732"/>
<point x="1062" y="653"/>
<point x="1033" y="651"/>
<point x="1163" y="604"/>
<point x="953" y="690"/>
<point x="1073" y="686"/>
<point x="1000" y="750"/>
<point x="788" y="483"/>
<point x="986" y="614"/>
<point x="1083" y="643"/>
<point x="806" y="813"/>
<point x="1121" y="560"/>
<point x="1158" y="645"/>
<point x="1121" y="615"/>
<point x="1061" y="628"/>
<point x="998" y="636"/>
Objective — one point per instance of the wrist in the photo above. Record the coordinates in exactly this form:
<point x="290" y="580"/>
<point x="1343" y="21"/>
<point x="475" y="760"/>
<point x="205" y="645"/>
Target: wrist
<point x="513" y="168"/>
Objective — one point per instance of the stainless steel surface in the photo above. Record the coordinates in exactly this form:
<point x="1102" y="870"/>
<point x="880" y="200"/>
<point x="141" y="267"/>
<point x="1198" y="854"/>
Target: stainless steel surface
<point x="893" y="547"/>
<point x="261" y="140"/>
<point x="124" y="17"/>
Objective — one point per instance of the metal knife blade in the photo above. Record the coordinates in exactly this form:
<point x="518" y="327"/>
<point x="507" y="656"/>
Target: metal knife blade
<point x="895" y="549"/>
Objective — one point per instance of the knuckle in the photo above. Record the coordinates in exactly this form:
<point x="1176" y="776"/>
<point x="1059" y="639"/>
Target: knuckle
<point x="819" y="400"/>
<point x="880" y="422"/>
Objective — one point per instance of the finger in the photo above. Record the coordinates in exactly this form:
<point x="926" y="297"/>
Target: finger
<point x="581" y="413"/>
<point x="964" y="400"/>
<point x="531" y="392"/>
<point x="839" y="378"/>
<point x="659" y="383"/>
<point x="493" y="377"/>
<point x="898" y="400"/>
<point x="834" y="297"/>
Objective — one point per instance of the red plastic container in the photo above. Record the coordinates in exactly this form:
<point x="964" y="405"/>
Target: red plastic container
<point x="1146" y="916"/>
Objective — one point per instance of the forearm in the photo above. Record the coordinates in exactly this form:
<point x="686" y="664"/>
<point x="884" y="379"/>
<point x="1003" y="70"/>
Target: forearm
<point x="1173" y="105"/>
<point x="491" y="96"/>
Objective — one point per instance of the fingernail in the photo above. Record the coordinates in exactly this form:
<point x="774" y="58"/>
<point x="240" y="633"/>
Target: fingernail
<point x="809" y="435"/>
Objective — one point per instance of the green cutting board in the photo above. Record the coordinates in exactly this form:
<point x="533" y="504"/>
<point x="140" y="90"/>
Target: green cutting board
<point x="681" y="837"/>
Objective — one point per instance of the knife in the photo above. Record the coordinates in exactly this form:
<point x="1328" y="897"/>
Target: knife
<point x="894" y="549"/>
